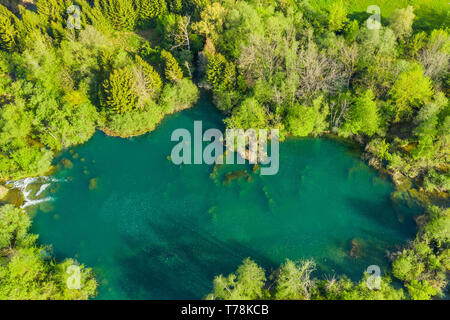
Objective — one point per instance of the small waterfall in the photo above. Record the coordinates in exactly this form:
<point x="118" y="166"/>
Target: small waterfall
<point x="42" y="189"/>
<point x="29" y="202"/>
<point x="28" y="188"/>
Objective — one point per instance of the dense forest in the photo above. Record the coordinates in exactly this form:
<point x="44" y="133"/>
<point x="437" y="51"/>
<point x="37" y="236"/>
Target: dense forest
<point x="305" y="67"/>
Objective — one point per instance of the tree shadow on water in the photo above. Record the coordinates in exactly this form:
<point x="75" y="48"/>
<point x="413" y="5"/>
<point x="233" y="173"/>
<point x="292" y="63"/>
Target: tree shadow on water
<point x="181" y="264"/>
<point x="385" y="214"/>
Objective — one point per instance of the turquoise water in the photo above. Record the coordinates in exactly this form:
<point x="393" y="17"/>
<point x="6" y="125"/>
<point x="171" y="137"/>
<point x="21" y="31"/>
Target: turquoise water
<point x="153" y="230"/>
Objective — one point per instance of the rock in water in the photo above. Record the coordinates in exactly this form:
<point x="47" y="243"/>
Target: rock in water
<point x="93" y="184"/>
<point x="355" y="251"/>
<point x="67" y="163"/>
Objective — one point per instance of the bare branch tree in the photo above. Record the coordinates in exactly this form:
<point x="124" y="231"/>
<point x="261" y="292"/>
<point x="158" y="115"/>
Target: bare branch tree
<point x="318" y="72"/>
<point x="433" y="59"/>
<point x="259" y="59"/>
<point x="338" y="110"/>
<point x="181" y="37"/>
<point x="306" y="268"/>
<point x="186" y="64"/>
<point x="349" y="59"/>
<point x="331" y="280"/>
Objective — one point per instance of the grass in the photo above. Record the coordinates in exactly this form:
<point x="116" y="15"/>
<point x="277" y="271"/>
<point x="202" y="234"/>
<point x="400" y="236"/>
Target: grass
<point x="430" y="14"/>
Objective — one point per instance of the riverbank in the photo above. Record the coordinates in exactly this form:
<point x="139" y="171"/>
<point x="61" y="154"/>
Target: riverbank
<point x="354" y="145"/>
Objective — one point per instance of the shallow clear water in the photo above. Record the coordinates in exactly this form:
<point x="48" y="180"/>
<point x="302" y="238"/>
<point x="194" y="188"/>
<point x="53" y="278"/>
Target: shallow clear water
<point x="153" y="230"/>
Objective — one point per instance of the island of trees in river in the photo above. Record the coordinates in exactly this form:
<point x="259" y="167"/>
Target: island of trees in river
<point x="307" y="68"/>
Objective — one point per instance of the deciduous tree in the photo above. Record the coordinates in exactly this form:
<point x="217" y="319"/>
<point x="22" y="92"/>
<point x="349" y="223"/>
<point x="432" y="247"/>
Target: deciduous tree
<point x="410" y="91"/>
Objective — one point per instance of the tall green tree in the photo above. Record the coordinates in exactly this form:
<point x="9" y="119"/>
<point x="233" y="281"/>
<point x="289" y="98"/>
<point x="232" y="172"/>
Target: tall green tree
<point x="362" y="116"/>
<point x="120" y="91"/>
<point x="411" y="90"/>
<point x="152" y="8"/>
<point x="123" y="14"/>
<point x="246" y="284"/>
<point x="337" y="16"/>
<point x="172" y="70"/>
<point x="250" y="114"/>
<point x="7" y="30"/>
<point x="220" y="73"/>
<point x="148" y="80"/>
<point x="27" y="271"/>
<point x="14" y="224"/>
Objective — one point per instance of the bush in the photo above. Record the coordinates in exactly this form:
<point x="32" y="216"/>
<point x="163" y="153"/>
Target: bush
<point x="179" y="96"/>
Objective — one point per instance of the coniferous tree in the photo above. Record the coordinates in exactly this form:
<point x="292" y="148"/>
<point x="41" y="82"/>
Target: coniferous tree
<point x="214" y="70"/>
<point x="29" y="25"/>
<point x="220" y="73"/>
<point x="172" y="70"/>
<point x="150" y="78"/>
<point x="120" y="91"/>
<point x="49" y="10"/>
<point x="152" y="8"/>
<point x="7" y="30"/>
<point x="95" y="15"/>
<point x="122" y="14"/>
<point x="247" y="283"/>
<point x="175" y="6"/>
<point x="229" y="77"/>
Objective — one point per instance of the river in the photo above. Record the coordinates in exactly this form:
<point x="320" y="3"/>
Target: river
<point x="154" y="230"/>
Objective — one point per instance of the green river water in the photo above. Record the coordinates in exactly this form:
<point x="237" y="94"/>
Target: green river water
<point x="154" y="230"/>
